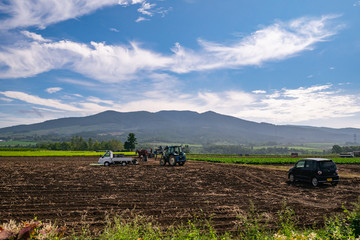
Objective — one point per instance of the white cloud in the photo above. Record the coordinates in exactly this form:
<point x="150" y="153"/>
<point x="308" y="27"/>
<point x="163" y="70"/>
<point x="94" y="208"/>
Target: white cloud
<point x="6" y="99"/>
<point x="276" y="42"/>
<point x="103" y="62"/>
<point x="140" y="19"/>
<point x="98" y="100"/>
<point x="77" y="82"/>
<point x="321" y="103"/>
<point x="114" y="30"/>
<point x="35" y="36"/>
<point x="53" y="90"/>
<point x="259" y="91"/>
<point x="114" y="63"/>
<point x="42" y="13"/>
<point x="146" y="8"/>
<point x="39" y="101"/>
<point x="302" y="104"/>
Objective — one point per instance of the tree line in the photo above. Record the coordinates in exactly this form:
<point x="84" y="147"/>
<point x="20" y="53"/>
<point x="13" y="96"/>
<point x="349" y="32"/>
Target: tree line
<point x="345" y="149"/>
<point x="80" y="144"/>
<point x="239" y="149"/>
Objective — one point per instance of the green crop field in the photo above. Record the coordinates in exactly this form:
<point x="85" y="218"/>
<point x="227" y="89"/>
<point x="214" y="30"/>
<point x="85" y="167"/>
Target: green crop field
<point x="48" y="153"/>
<point x="265" y="159"/>
<point x="17" y="144"/>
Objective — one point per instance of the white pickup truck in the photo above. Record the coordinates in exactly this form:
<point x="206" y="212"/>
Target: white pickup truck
<point x="110" y="158"/>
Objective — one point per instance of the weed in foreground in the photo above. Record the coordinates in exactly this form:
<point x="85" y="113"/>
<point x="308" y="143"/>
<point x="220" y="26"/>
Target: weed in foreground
<point x="253" y="225"/>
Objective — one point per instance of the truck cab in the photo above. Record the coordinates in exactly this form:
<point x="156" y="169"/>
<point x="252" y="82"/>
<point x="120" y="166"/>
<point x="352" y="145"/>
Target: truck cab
<point x="110" y="158"/>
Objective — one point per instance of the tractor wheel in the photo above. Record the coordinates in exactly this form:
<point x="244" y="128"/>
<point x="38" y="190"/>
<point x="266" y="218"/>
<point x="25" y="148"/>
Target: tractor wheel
<point x="106" y="164"/>
<point x="172" y="161"/>
<point x="162" y="162"/>
<point x="124" y="163"/>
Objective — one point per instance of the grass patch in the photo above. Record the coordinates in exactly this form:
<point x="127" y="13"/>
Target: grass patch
<point x="50" y="153"/>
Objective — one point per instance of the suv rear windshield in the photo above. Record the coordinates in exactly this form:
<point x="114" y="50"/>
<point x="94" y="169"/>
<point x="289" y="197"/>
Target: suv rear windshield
<point x="327" y="165"/>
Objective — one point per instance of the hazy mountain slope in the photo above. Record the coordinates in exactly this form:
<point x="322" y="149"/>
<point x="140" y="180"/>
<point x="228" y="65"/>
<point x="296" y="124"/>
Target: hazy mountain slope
<point x="182" y="126"/>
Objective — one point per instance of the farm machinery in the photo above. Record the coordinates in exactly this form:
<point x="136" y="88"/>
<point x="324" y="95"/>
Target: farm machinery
<point x="172" y="155"/>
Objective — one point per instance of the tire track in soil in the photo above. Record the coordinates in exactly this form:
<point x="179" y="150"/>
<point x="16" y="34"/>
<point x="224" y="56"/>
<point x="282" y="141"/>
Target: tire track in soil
<point x="69" y="190"/>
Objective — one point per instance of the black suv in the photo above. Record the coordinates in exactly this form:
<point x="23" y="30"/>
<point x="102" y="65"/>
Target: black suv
<point x="315" y="171"/>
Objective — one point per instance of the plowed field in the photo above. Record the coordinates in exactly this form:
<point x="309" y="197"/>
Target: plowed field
<point x="70" y="191"/>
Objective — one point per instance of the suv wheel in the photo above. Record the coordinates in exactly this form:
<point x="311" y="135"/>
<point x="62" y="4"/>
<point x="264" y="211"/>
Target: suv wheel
<point x="291" y="178"/>
<point x="315" y="182"/>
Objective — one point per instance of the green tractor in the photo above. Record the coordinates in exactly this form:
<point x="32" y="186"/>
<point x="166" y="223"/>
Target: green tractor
<point x="172" y="155"/>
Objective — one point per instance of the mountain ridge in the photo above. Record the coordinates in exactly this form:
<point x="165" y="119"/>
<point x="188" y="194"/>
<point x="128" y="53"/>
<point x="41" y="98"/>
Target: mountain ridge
<point x="181" y="126"/>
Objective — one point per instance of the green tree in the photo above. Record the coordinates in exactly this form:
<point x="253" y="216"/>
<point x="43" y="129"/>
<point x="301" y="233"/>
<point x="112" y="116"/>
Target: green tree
<point x="336" y="149"/>
<point x="131" y="142"/>
<point x="90" y="144"/>
<point x="115" y="145"/>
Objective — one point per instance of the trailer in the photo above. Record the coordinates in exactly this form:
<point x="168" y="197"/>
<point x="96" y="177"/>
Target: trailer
<point x="110" y="158"/>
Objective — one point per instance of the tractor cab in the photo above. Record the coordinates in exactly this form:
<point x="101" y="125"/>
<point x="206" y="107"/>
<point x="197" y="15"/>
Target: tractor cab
<point x="174" y="150"/>
<point x="173" y="155"/>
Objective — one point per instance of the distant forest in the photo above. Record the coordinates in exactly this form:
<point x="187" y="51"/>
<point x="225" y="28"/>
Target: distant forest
<point x="239" y="149"/>
<point x="79" y="144"/>
<point x="345" y="149"/>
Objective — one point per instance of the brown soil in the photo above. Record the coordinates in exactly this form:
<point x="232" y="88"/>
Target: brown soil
<point x="70" y="191"/>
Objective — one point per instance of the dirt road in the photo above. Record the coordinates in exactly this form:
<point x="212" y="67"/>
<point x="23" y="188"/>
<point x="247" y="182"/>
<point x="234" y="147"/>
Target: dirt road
<point x="70" y="191"/>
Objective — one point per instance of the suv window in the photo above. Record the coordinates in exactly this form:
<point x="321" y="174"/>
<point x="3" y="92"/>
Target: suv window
<point x="327" y="165"/>
<point x="309" y="164"/>
<point x="300" y="164"/>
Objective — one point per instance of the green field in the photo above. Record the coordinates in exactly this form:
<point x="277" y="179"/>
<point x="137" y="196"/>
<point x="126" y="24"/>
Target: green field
<point x="17" y="144"/>
<point x="218" y="158"/>
<point x="48" y="153"/>
<point x="265" y="159"/>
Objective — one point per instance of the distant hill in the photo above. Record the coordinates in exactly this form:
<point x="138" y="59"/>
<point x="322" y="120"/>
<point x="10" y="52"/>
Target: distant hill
<point x="180" y="126"/>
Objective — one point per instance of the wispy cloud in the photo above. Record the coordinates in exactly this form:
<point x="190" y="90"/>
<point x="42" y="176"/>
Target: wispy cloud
<point x="53" y="103"/>
<point x="42" y="13"/>
<point x="140" y="19"/>
<point x="35" y="36"/>
<point x="77" y="82"/>
<point x="284" y="106"/>
<point x="275" y="42"/>
<point x="302" y="104"/>
<point x="6" y="99"/>
<point x="114" y="30"/>
<point x="259" y="91"/>
<point x="114" y="63"/>
<point x="53" y="90"/>
<point x="146" y="8"/>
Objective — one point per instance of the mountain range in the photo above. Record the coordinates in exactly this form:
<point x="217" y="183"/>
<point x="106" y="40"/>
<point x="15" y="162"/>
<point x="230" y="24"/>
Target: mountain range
<point x="185" y="127"/>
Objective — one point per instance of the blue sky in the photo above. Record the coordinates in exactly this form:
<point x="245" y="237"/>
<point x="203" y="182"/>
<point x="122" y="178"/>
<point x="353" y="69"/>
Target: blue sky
<point x="282" y="62"/>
